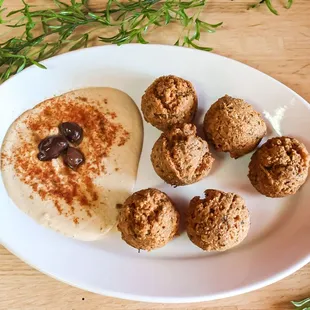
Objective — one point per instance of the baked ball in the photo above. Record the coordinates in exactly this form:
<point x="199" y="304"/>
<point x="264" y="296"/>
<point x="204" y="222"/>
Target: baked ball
<point x="180" y="157"/>
<point x="279" y="167"/>
<point x="148" y="219"/>
<point x="168" y="101"/>
<point x="218" y="222"/>
<point x="233" y="126"/>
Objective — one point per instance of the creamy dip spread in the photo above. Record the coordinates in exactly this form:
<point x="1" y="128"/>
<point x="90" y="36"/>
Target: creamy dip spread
<point x="80" y="203"/>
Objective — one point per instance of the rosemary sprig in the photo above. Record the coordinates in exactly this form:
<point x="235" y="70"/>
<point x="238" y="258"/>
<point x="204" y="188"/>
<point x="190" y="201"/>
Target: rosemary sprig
<point x="49" y="31"/>
<point x="270" y="6"/>
<point x="302" y="305"/>
<point x="134" y="24"/>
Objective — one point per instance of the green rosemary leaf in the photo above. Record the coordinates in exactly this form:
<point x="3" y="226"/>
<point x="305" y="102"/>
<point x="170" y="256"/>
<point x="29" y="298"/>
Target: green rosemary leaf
<point x="65" y="33"/>
<point x="301" y="303"/>
<point x="255" y="5"/>
<point x="270" y="7"/>
<point x="37" y="64"/>
<point x="93" y="15"/>
<point x="51" y="50"/>
<point x="16" y="26"/>
<point x="107" y="11"/>
<point x="61" y="4"/>
<point x="42" y="51"/>
<point x="110" y="39"/>
<point x="208" y="27"/>
<point x="5" y="54"/>
<point x="30" y="23"/>
<point x="66" y="13"/>
<point x="36" y="41"/>
<point x="15" y="12"/>
<point x="141" y="39"/>
<point x="55" y="26"/>
<point x="82" y="42"/>
<point x="6" y="74"/>
<point x="167" y="17"/>
<point x="99" y="19"/>
<point x="190" y="42"/>
<point x="22" y="66"/>
<point x="289" y="4"/>
<point x="156" y="23"/>
<point x="196" y="35"/>
<point x="48" y="31"/>
<point x="185" y="18"/>
<point x="212" y="25"/>
<point x="44" y="25"/>
<point x="1" y="11"/>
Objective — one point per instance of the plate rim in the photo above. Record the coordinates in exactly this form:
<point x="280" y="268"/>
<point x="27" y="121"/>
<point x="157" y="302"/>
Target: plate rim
<point x="173" y="300"/>
<point x="113" y="293"/>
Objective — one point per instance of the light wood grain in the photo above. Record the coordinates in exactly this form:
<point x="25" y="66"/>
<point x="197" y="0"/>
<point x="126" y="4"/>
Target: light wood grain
<point x="276" y="45"/>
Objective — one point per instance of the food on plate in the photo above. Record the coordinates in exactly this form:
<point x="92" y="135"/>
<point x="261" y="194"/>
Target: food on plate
<point x="180" y="157"/>
<point x="71" y="159"/>
<point x="217" y="222"/>
<point x="279" y="167"/>
<point x="51" y="147"/>
<point x="168" y="101"/>
<point x="72" y="131"/>
<point x="54" y="146"/>
<point x="148" y="219"/>
<point x="233" y="126"/>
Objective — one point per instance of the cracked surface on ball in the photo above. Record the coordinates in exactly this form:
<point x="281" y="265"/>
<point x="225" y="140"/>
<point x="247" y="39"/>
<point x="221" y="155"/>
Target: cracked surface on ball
<point x="168" y="101"/>
<point x="148" y="219"/>
<point x="233" y="126"/>
<point x="180" y="157"/>
<point x="279" y="167"/>
<point x="217" y="222"/>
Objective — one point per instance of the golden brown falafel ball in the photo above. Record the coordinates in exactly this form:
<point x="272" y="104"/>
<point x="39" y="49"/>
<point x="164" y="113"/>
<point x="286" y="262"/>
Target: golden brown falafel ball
<point x="279" y="167"/>
<point x="148" y="219"/>
<point x="180" y="157"/>
<point x="233" y="126"/>
<point x="217" y="222"/>
<point x="168" y="101"/>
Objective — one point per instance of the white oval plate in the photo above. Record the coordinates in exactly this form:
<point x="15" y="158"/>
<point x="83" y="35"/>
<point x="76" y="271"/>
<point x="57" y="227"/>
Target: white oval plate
<point x="279" y="239"/>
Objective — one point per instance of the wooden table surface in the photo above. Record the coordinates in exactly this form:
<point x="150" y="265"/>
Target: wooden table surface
<point x="276" y="45"/>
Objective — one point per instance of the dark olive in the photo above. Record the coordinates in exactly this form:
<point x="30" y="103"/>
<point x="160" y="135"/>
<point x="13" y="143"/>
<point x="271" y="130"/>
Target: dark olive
<point x="51" y="147"/>
<point x="72" y="131"/>
<point x="73" y="158"/>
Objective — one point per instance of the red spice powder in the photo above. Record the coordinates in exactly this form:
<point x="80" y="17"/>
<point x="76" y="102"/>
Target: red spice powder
<point x="59" y="209"/>
<point x="113" y="115"/>
<point x="52" y="180"/>
<point x="5" y="160"/>
<point x="123" y="139"/>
